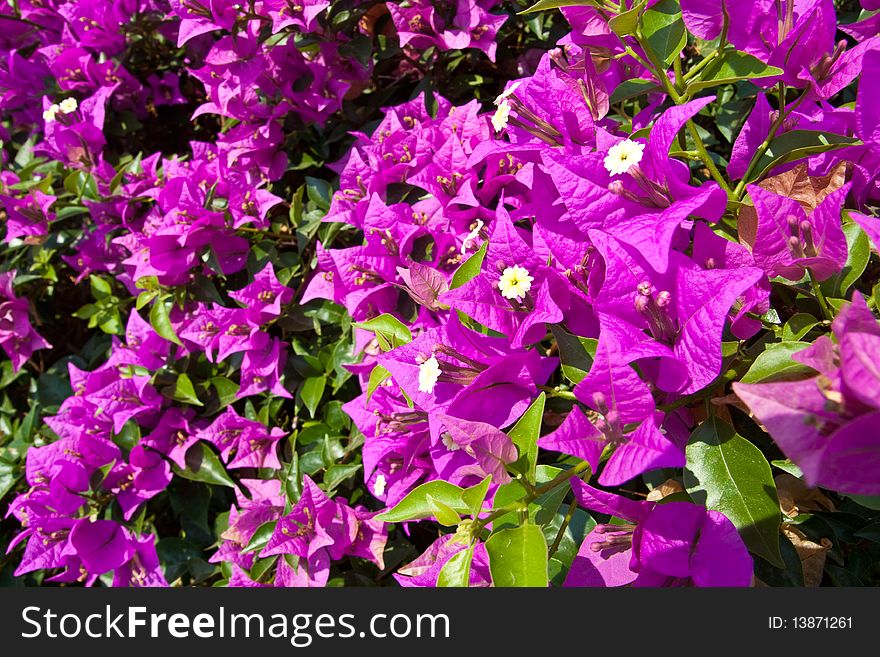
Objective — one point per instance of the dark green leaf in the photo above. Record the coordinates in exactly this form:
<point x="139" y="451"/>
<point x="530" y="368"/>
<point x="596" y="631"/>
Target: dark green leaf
<point x="732" y="66"/>
<point x="664" y="31"/>
<point x="798" y="144"/>
<point x="524" y="435"/>
<point x="632" y="89"/>
<point x="260" y="537"/>
<point x="859" y="252"/>
<point x="312" y="391"/>
<point x="776" y="362"/>
<point x="161" y="323"/>
<point x="185" y="392"/>
<point x="729" y="474"/>
<point x="202" y="464"/>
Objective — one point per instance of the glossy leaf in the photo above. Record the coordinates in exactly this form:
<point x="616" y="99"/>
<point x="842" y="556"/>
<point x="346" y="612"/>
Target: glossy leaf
<point x="729" y="474"/>
<point x="518" y="557"/>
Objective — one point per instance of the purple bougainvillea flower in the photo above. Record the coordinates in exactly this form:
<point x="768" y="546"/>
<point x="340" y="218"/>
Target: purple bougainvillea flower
<point x="242" y="442"/>
<point x="102" y="545"/>
<point x="671" y="544"/>
<point x="319" y="529"/>
<point x="424" y="570"/>
<point x="143" y="569"/>
<point x="788" y="241"/>
<point x="684" y="310"/>
<point x="515" y="293"/>
<point x="264" y="296"/>
<point x="617" y="397"/>
<point x="829" y="425"/>
<point x="17" y="337"/>
<point x="467" y="366"/>
<point x="145" y="475"/>
<point x="467" y="451"/>
<point x="28" y="216"/>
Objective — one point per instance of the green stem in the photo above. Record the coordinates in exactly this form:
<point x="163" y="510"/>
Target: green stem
<point x="820" y="296"/>
<point x="523" y="503"/>
<point x="707" y="159"/>
<point x="657" y="69"/>
<point x="565" y="522"/>
<point x="739" y="191"/>
<point x="554" y="392"/>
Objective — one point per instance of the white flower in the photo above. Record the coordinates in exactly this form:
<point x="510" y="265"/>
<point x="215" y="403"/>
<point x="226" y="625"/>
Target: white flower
<point x="379" y="485"/>
<point x="507" y="92"/>
<point x="501" y="116"/>
<point x="429" y="372"/>
<point x="68" y="105"/>
<point x="450" y="444"/>
<point x="623" y="155"/>
<point x="49" y="114"/>
<point x="515" y="282"/>
<point x="471" y="236"/>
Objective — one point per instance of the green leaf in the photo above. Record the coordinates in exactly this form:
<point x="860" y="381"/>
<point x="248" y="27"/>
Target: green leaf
<point x="312" y="391"/>
<point x="518" y="557"/>
<point x="798" y="326"/>
<point x="731" y="67"/>
<point x="260" y="537"/>
<point x="389" y="328"/>
<point x="524" y="435"/>
<point x="202" y="464"/>
<point x="185" y="392"/>
<point x="859" y="252"/>
<point x="632" y="89"/>
<point x="444" y="514"/>
<point x="339" y="472"/>
<point x="377" y="376"/>
<point x="573" y="355"/>
<point x="775" y="362"/>
<point x="161" y="323"/>
<point x="663" y="29"/>
<point x="732" y="476"/>
<point x="626" y="23"/>
<point x="798" y="144"/>
<point x="543" y="5"/>
<point x="100" y="288"/>
<point x="474" y="496"/>
<point x="8" y="477"/>
<point x="868" y="501"/>
<point x="416" y="505"/>
<point x="226" y="390"/>
<point x="470" y="267"/>
<point x="787" y="466"/>
<point x="457" y="571"/>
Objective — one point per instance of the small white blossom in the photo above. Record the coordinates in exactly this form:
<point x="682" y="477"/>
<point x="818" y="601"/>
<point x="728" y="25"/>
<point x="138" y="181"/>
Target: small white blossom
<point x="429" y="372"/>
<point x="450" y="444"/>
<point x="515" y="282"/>
<point x="379" y="485"/>
<point x="49" y="114"/>
<point x="507" y="92"/>
<point x="623" y="155"/>
<point x="501" y="116"/>
<point x="471" y="236"/>
<point x="68" y="105"/>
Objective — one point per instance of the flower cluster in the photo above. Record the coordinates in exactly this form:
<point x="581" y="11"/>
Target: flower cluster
<point x="633" y="261"/>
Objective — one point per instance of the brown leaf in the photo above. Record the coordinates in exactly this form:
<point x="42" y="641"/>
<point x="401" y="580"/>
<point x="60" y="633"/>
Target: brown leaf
<point x="667" y="488"/>
<point x="812" y="554"/>
<point x="797" y="185"/>
<point x="796" y="497"/>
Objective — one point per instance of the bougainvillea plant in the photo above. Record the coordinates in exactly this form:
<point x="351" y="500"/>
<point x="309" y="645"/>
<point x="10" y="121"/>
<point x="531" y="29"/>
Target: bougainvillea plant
<point x="461" y="293"/>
